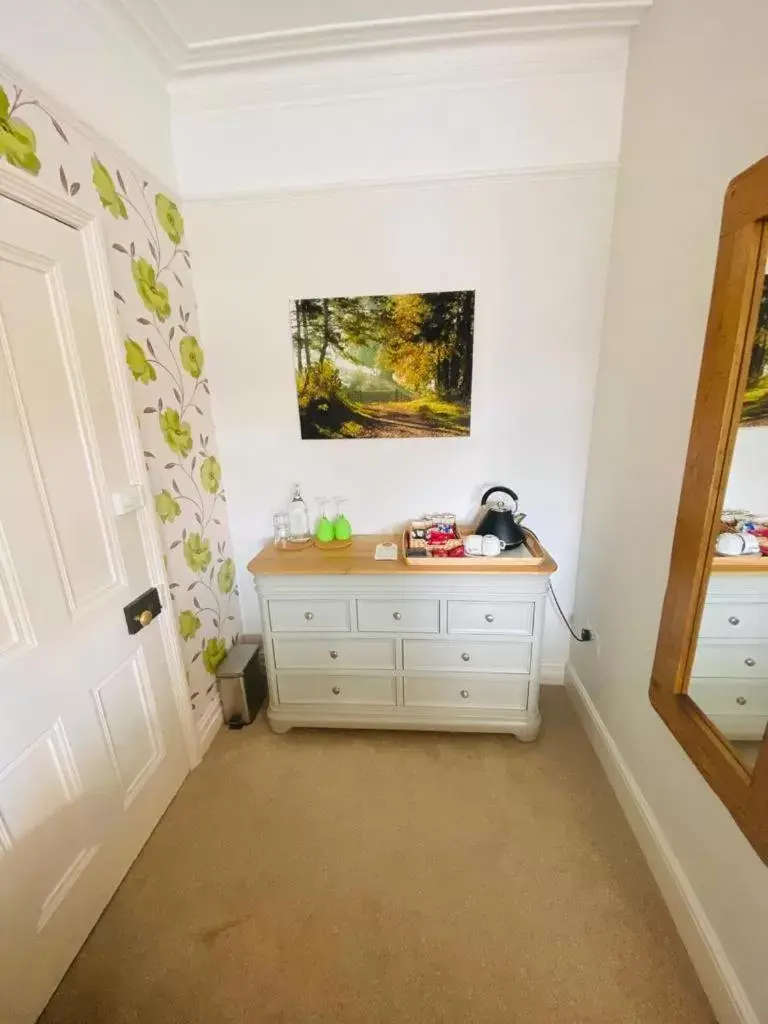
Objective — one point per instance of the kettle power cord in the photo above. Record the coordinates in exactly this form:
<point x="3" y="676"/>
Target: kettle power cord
<point x="586" y="635"/>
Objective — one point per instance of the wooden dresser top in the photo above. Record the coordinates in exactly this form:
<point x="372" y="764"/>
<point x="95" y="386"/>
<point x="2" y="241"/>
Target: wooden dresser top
<point x="358" y="560"/>
<point x="739" y="563"/>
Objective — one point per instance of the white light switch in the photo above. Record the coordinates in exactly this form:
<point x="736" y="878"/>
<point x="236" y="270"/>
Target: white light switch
<point x="129" y="500"/>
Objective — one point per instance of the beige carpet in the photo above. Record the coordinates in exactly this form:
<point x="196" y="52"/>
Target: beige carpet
<point x="341" y="878"/>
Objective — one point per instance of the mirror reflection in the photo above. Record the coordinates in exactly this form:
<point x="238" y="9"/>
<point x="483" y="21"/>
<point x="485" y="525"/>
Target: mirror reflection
<point x="729" y="679"/>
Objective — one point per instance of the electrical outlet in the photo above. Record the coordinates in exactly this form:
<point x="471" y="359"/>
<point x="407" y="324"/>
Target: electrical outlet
<point x="595" y="641"/>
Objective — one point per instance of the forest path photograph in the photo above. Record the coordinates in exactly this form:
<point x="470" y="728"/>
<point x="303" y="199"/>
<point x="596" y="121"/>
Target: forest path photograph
<point x="409" y="419"/>
<point x="384" y="366"/>
<point x="755" y="409"/>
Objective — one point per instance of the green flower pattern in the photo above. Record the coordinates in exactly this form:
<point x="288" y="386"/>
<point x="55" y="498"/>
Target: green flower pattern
<point x="177" y="434"/>
<point x="167" y="507"/>
<point x="214" y="653"/>
<point x="105" y="186"/>
<point x="192" y="357"/>
<point x="189" y="624"/>
<point x="153" y="294"/>
<point x="226" y="576"/>
<point x="210" y="474"/>
<point x="144" y="229"/>
<point x="169" y="218"/>
<point x="18" y="142"/>
<point x="197" y="552"/>
<point x="138" y="364"/>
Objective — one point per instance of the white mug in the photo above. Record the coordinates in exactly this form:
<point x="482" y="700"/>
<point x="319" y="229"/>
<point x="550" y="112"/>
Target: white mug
<point x="737" y="544"/>
<point x="491" y="545"/>
<point x="473" y="544"/>
<point x="751" y="544"/>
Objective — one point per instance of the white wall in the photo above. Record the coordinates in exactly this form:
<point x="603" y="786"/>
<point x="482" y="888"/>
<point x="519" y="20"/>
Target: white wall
<point x="535" y="250"/>
<point x="694" y="116"/>
<point x="522" y="104"/>
<point x="748" y="480"/>
<point x="91" y="66"/>
<point x="477" y="166"/>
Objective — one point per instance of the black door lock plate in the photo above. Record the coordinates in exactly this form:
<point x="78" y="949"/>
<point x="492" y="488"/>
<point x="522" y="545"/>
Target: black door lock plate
<point x="143" y="610"/>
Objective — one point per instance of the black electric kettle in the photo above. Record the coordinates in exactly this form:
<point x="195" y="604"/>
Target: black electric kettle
<point x="501" y="518"/>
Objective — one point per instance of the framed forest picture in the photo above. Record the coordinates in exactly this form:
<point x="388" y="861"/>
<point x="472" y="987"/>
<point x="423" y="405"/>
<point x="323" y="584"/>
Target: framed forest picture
<point x="754" y="412"/>
<point x="384" y="365"/>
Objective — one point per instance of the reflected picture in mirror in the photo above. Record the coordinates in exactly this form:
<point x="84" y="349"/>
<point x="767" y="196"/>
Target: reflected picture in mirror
<point x="729" y="677"/>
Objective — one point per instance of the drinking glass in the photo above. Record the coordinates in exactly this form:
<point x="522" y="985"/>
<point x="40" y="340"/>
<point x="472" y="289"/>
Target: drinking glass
<point x="341" y="526"/>
<point x="281" y="530"/>
<point x="324" y="528"/>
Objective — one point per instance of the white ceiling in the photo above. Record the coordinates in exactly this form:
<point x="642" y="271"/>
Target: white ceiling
<point x="193" y="36"/>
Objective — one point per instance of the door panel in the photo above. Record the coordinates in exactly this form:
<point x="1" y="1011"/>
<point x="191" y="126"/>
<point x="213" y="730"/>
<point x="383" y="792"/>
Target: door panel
<point x="48" y="391"/>
<point x="91" y="748"/>
<point x="130" y="725"/>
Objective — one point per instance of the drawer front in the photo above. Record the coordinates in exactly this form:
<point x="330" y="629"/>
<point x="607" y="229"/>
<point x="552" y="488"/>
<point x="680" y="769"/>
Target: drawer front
<point x="330" y="653"/>
<point x="304" y="616"/>
<point x="454" y="656"/>
<point x="737" y="661"/>
<point x="318" y="688"/>
<point x="730" y="696"/>
<point x="395" y="616"/>
<point x="467" y="691"/>
<point x="731" y="619"/>
<point x="514" y="617"/>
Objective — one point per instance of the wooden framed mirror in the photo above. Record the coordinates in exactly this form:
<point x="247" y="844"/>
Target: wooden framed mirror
<point x="710" y="672"/>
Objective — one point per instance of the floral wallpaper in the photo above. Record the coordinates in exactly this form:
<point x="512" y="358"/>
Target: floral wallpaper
<point x="154" y="298"/>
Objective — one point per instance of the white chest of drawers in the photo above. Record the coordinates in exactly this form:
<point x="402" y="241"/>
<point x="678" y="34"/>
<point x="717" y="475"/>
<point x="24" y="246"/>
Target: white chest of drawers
<point x="729" y="679"/>
<point x="354" y="643"/>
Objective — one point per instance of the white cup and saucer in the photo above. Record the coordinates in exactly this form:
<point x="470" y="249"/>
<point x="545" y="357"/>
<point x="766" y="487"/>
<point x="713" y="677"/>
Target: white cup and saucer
<point x="737" y="544"/>
<point x="487" y="545"/>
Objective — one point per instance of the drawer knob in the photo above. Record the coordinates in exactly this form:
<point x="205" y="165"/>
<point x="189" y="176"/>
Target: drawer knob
<point x="336" y="690"/>
<point x="489" y="617"/>
<point x="465" y="694"/>
<point x="734" y="620"/>
<point x="750" y="662"/>
<point x="465" y="656"/>
<point x="334" y="654"/>
<point x="397" y="616"/>
<point x="309" y="616"/>
<point x="741" y="700"/>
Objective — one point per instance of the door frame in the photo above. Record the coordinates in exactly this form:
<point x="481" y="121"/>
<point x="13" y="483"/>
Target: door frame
<point x="20" y="188"/>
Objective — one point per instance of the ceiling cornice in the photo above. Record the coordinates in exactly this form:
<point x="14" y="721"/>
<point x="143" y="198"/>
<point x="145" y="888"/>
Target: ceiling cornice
<point x="149" y="25"/>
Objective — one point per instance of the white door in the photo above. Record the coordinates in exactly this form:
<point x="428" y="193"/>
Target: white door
<point x="91" y="744"/>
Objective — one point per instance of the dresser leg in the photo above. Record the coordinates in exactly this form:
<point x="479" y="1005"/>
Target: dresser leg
<point x="528" y="733"/>
<point x="280" y="728"/>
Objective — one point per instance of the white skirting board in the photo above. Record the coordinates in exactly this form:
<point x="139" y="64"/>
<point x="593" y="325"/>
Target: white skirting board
<point x="209" y="724"/>
<point x="552" y="673"/>
<point x="718" y="978"/>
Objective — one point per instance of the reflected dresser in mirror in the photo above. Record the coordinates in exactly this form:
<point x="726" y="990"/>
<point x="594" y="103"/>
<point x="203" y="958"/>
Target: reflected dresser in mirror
<point x="710" y="673"/>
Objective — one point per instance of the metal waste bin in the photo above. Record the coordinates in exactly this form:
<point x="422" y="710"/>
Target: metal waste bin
<point x="242" y="679"/>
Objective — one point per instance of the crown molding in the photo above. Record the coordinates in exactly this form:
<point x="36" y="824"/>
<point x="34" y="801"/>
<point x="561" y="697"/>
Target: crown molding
<point x="280" y="193"/>
<point x="148" y="26"/>
<point x="178" y="59"/>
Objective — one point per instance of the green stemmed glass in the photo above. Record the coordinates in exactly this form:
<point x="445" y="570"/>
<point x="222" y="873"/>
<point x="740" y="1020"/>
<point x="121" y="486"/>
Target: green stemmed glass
<point x="324" y="530"/>
<point x="342" y="530"/>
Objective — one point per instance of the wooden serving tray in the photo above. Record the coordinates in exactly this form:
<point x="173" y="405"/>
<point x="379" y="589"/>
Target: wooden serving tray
<point x="332" y="545"/>
<point x="358" y="560"/>
<point x="530" y="554"/>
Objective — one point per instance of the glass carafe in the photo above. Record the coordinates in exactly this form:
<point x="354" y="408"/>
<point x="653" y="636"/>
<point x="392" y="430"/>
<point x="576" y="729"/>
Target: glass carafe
<point x="298" y="516"/>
